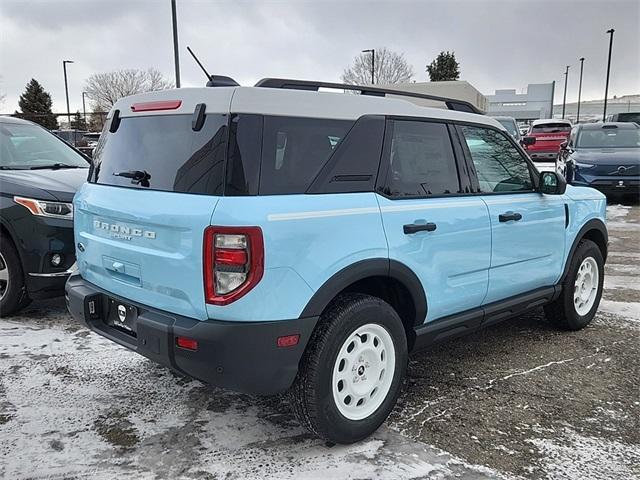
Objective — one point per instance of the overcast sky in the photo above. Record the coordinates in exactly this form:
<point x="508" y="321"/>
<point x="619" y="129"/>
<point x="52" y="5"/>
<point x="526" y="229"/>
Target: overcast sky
<point x="499" y="44"/>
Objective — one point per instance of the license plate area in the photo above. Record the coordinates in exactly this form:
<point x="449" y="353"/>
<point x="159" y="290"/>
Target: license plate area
<point x="122" y="316"/>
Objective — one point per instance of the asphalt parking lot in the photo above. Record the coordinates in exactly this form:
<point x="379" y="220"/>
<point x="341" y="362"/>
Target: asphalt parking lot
<point x="521" y="400"/>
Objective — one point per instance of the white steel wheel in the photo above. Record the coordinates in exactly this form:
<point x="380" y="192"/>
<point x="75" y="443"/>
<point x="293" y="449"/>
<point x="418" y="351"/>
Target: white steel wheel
<point x="586" y="286"/>
<point x="363" y="371"/>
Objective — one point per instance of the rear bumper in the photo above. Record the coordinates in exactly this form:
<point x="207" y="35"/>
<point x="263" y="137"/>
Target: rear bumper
<point x="543" y="155"/>
<point x="240" y="356"/>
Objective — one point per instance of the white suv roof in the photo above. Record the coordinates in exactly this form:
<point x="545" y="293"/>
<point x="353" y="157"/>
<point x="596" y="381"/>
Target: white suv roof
<point x="290" y="102"/>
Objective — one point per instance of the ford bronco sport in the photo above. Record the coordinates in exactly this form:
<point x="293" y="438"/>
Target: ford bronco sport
<point x="278" y="238"/>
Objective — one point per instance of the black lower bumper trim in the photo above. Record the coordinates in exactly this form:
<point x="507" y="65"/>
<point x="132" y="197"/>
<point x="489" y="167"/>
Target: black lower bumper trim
<point x="240" y="356"/>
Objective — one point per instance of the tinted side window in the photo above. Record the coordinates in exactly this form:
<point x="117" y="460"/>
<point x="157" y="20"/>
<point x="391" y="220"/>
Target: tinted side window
<point x="421" y="160"/>
<point x="295" y="149"/>
<point x="499" y="165"/>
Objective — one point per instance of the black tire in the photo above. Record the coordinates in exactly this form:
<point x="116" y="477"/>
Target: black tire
<point x="311" y="395"/>
<point x="562" y="311"/>
<point x="15" y="297"/>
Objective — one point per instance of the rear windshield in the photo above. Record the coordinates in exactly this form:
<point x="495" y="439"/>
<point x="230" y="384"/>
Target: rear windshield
<point x="551" y="128"/>
<point x="628" y="117"/>
<point x="609" y="138"/>
<point x="163" y="153"/>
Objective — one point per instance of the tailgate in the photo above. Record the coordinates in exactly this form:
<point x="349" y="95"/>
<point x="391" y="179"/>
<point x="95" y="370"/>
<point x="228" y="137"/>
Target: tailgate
<point x="150" y="251"/>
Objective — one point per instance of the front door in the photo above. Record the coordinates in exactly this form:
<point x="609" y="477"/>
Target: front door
<point x="527" y="227"/>
<point x="431" y="227"/>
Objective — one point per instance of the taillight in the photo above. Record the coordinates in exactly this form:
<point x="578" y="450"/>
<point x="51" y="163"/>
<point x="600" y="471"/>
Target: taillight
<point x="233" y="262"/>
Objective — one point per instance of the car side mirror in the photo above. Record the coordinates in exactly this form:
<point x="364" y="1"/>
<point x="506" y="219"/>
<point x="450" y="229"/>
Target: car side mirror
<point x="528" y="140"/>
<point x="552" y="183"/>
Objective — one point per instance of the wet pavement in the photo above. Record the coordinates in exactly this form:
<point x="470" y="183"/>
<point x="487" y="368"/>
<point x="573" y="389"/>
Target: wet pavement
<point x="519" y="400"/>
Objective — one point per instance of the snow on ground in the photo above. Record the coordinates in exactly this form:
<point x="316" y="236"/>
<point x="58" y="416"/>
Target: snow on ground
<point x="74" y="404"/>
<point x="627" y="310"/>
<point x="576" y="456"/>
<point x="617" y="211"/>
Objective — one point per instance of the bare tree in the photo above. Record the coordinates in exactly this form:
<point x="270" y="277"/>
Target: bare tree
<point x="390" y="67"/>
<point x="105" y="89"/>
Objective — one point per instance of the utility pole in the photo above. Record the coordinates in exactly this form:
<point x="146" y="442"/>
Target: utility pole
<point x="606" y="87"/>
<point x="564" y="98"/>
<point x="176" y="55"/>
<point x="84" y="109"/>
<point x="373" y="63"/>
<point x="66" y="88"/>
<point x="580" y="89"/>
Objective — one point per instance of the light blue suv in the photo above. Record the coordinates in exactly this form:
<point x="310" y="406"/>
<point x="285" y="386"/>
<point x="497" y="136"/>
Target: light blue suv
<point x="279" y="238"/>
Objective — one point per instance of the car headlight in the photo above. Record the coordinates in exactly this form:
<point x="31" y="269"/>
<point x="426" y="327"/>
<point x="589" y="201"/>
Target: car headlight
<point x="45" y="208"/>
<point x="583" y="166"/>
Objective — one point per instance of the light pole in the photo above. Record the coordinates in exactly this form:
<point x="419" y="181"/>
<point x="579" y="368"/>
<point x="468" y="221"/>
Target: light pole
<point x="606" y="87"/>
<point x="66" y="88"/>
<point x="176" y="56"/>
<point x="580" y="89"/>
<point x="564" y="98"/>
<point x="373" y="63"/>
<point x="84" y="109"/>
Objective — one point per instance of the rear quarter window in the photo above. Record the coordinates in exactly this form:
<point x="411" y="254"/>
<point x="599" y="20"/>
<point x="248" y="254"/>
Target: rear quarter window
<point x="295" y="149"/>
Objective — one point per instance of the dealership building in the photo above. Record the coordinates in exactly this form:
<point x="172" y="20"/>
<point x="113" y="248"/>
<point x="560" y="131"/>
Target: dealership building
<point x="458" y="89"/>
<point x="536" y="103"/>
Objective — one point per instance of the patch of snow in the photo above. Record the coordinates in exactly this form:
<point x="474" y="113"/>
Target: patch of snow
<point x="576" y="456"/>
<point x="627" y="310"/>
<point x="625" y="282"/>
<point x="617" y="211"/>
<point x="626" y="226"/>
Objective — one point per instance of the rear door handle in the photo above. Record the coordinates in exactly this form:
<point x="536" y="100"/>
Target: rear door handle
<point x="418" y="227"/>
<point x="507" y="216"/>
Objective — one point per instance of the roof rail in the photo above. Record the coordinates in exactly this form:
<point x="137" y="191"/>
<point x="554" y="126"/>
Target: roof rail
<point x="451" y="103"/>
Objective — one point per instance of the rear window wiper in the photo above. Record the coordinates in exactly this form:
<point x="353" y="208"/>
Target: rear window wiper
<point x="55" y="166"/>
<point x="138" y="177"/>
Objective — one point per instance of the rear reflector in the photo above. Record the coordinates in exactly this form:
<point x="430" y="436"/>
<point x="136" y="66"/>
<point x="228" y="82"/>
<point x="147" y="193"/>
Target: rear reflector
<point x="187" y="343"/>
<point x="153" y="106"/>
<point x="288" y="340"/>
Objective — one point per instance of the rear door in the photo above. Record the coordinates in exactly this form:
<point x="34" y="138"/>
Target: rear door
<point x="528" y="228"/>
<point x="140" y="221"/>
<point x="431" y="225"/>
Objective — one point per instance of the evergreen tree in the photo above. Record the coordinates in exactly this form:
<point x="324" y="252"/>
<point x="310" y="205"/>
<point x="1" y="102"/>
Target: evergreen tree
<point x="35" y="104"/>
<point x="78" y="123"/>
<point x="444" y="67"/>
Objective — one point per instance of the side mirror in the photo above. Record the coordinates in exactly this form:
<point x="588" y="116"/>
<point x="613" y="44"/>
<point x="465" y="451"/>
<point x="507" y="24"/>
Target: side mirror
<point x="552" y="183"/>
<point x="528" y="140"/>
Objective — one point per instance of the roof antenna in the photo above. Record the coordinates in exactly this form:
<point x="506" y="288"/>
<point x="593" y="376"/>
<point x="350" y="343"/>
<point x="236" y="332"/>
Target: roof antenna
<point x="214" y="80"/>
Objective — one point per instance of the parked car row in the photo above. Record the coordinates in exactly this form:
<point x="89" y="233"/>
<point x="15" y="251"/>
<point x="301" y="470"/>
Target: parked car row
<point x="605" y="156"/>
